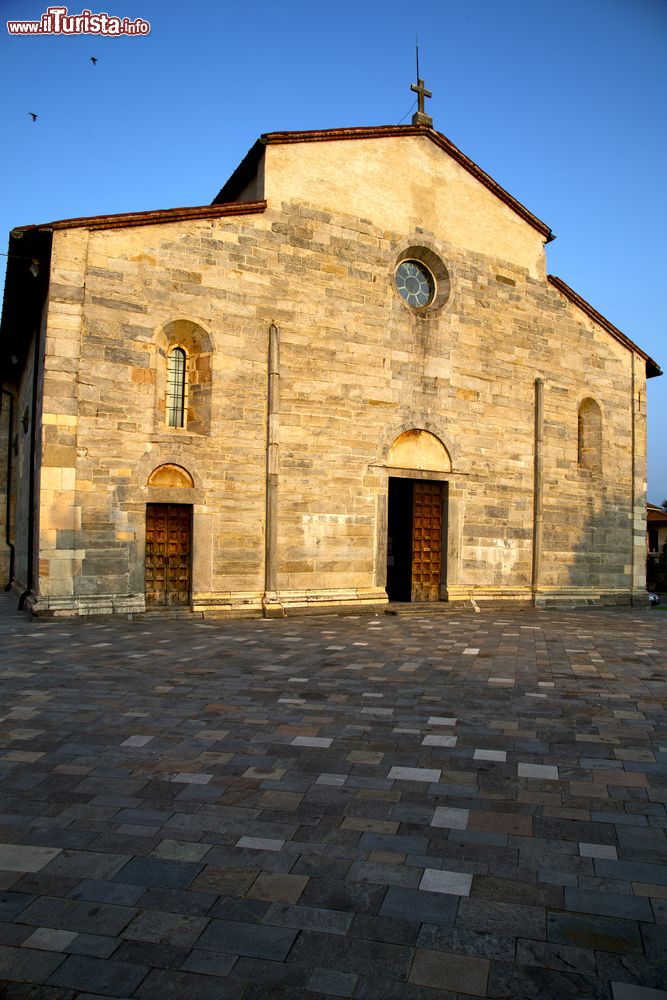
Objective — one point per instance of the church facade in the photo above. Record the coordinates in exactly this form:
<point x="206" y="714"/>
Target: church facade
<point x="349" y="380"/>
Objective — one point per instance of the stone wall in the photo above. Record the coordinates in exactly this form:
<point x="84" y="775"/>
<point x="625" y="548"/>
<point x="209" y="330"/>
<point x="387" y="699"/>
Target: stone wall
<point x="5" y="486"/>
<point x="21" y="472"/>
<point x="401" y="184"/>
<point x="358" y="367"/>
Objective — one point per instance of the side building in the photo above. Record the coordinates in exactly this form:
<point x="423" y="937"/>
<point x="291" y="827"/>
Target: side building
<point x="346" y="381"/>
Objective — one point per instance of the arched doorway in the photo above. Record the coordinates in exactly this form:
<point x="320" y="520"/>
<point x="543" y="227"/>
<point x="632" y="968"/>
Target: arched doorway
<point x="168" y="542"/>
<point x="417" y="517"/>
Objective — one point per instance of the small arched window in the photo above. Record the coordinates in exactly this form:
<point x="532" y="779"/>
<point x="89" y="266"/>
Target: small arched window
<point x="177" y="387"/>
<point x="589" y="448"/>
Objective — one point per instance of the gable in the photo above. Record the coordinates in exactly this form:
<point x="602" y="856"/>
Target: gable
<point x="400" y="178"/>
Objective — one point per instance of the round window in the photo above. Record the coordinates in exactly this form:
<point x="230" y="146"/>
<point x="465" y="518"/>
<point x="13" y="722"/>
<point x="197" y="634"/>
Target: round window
<point x="415" y="283"/>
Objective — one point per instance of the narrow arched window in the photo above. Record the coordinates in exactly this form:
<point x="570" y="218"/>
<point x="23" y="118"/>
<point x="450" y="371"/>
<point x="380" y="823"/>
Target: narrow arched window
<point x="590" y="436"/>
<point x="177" y="387"/>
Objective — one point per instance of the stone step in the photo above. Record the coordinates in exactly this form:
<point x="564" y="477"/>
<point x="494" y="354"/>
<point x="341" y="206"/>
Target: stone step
<point x="170" y="613"/>
<point x="427" y="607"/>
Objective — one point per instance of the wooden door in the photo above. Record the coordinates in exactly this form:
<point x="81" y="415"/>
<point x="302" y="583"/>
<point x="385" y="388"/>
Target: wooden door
<point x="426" y="540"/>
<point x="168" y="535"/>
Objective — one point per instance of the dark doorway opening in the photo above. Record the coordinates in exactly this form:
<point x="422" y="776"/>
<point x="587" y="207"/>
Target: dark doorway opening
<point x="416" y="518"/>
<point x="399" y="542"/>
<point x="168" y="554"/>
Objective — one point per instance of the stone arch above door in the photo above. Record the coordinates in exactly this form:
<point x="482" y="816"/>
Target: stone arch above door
<point x="171" y="476"/>
<point x="420" y="450"/>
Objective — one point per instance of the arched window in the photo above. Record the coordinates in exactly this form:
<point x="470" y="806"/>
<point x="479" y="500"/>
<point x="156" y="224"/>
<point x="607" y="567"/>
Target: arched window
<point x="177" y="387"/>
<point x="590" y="436"/>
<point x="183" y="379"/>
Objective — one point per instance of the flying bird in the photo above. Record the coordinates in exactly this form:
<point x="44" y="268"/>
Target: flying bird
<point x="93" y="60"/>
<point x="33" y="115"/>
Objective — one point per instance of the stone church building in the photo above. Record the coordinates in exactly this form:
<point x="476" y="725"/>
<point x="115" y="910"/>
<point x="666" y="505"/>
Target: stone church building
<point x="347" y="380"/>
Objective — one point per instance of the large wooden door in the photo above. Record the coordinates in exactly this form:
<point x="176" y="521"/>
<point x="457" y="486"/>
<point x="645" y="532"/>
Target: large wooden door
<point x="168" y="534"/>
<point x="426" y="540"/>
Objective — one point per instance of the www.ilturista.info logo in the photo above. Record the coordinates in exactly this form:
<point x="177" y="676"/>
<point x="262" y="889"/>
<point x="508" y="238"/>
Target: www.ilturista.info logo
<point x="57" y="21"/>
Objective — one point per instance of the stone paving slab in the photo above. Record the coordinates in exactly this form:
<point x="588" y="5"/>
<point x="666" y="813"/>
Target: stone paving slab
<point x="375" y="807"/>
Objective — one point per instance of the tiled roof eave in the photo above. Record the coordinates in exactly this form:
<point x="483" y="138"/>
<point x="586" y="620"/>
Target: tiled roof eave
<point x="150" y="218"/>
<point x="652" y="367"/>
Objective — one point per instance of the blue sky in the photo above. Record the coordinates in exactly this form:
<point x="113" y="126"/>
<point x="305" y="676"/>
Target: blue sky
<point x="561" y="101"/>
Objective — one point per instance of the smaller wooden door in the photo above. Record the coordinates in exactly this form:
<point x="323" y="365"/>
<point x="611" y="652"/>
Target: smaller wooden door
<point x="168" y="545"/>
<point x="426" y="540"/>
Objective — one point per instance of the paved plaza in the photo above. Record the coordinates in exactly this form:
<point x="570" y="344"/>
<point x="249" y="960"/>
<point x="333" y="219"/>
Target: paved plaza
<point x="368" y="806"/>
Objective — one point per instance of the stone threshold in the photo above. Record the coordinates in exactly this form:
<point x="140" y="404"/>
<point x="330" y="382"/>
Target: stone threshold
<point x="168" y="613"/>
<point x="403" y="608"/>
